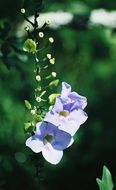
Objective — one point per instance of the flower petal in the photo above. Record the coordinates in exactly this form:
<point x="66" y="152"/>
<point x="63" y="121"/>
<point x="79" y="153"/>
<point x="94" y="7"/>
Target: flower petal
<point x="34" y="144"/>
<point x="66" y="89"/>
<point x="72" y="123"/>
<point x="52" y="118"/>
<point x="71" y="142"/>
<point x="51" y="155"/>
<point x="80" y="100"/>
<point x="61" y="140"/>
<point x="58" y="106"/>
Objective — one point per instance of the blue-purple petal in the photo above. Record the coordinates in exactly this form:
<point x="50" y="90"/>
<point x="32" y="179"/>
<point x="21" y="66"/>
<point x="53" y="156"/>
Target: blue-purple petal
<point x="61" y="140"/>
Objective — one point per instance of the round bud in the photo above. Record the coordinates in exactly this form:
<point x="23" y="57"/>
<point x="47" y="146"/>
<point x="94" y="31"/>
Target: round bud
<point x="38" y="99"/>
<point x="33" y="112"/>
<point x="53" y="74"/>
<point x="51" y="40"/>
<point x="41" y="34"/>
<point x="27" y="28"/>
<point x="23" y="11"/>
<point x="49" y="56"/>
<point x="52" y="61"/>
<point x="38" y="78"/>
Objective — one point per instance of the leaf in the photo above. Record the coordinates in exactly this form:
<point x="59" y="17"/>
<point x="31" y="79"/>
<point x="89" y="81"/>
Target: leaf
<point x="30" y="46"/>
<point x="107" y="178"/>
<point x="106" y="182"/>
<point x="27" y="104"/>
<point x="100" y="184"/>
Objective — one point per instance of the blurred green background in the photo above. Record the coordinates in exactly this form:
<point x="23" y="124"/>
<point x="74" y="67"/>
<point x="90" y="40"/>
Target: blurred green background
<point x="84" y="58"/>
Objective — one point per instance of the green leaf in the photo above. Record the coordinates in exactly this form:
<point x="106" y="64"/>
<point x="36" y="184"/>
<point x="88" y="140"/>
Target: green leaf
<point x="27" y="104"/>
<point x="30" y="46"/>
<point x="52" y="98"/>
<point x="107" y="178"/>
<point x="100" y="184"/>
<point x="106" y="182"/>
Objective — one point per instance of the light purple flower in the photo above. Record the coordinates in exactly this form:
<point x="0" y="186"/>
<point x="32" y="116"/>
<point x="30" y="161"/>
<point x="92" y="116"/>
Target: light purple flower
<point x="65" y="117"/>
<point x="49" y="140"/>
<point x="72" y="98"/>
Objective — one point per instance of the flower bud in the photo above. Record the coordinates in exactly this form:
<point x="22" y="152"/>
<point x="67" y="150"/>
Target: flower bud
<point x="27" y="28"/>
<point x="53" y="74"/>
<point x="38" y="99"/>
<point x="33" y="112"/>
<point x="38" y="78"/>
<point x="52" y="61"/>
<point x="54" y="83"/>
<point x="49" y="56"/>
<point x="41" y="34"/>
<point x="23" y="11"/>
<point x="30" y="46"/>
<point x="51" y="40"/>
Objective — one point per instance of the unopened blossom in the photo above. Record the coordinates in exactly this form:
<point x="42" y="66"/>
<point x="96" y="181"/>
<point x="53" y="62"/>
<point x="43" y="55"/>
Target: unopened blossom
<point x="49" y="140"/>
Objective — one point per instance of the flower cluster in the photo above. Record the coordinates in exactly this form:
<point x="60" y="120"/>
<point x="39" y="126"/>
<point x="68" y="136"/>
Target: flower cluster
<point x="55" y="133"/>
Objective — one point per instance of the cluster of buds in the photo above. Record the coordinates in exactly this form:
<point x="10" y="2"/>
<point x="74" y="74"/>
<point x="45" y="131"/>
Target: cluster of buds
<point x="42" y="92"/>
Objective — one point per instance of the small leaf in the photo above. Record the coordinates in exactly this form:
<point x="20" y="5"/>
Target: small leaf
<point x="27" y="104"/>
<point x="100" y="184"/>
<point x="53" y="97"/>
<point x="30" y="46"/>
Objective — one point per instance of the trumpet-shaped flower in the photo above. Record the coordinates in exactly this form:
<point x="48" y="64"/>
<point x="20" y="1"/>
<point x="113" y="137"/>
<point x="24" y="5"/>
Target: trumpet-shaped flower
<point x="49" y="140"/>
<point x="65" y="117"/>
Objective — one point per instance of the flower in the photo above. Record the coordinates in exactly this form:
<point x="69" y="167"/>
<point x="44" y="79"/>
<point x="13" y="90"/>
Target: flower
<point x="73" y="98"/>
<point x="65" y="117"/>
<point x="49" y="140"/>
<point x="67" y="113"/>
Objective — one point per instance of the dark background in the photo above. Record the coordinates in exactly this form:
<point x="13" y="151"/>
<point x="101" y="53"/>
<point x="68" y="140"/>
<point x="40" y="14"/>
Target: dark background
<point x="86" y="58"/>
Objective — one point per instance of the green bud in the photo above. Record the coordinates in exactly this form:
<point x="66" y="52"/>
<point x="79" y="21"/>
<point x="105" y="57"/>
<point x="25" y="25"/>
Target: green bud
<point x="54" y="83"/>
<point x="30" y="46"/>
<point x="50" y="108"/>
<point x="52" y="61"/>
<point x="38" y="78"/>
<point x="53" y="74"/>
<point x="27" y="104"/>
<point x="49" y="56"/>
<point x="23" y="11"/>
<point x="38" y="99"/>
<point x="27" y="126"/>
<point x="51" y="40"/>
<point x="36" y="119"/>
<point x="53" y="97"/>
<point x="33" y="112"/>
<point x="41" y="34"/>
